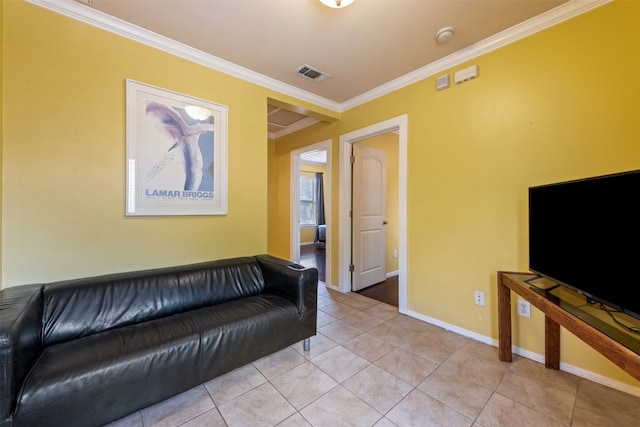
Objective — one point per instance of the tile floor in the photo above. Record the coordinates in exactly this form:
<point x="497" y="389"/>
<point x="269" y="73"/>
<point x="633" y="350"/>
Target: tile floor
<point x="370" y="366"/>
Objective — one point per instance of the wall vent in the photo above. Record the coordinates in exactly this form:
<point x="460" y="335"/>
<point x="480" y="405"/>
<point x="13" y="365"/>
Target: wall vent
<point x="311" y="73"/>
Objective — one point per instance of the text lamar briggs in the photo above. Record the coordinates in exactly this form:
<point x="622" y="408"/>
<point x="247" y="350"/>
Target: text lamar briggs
<point x="177" y="194"/>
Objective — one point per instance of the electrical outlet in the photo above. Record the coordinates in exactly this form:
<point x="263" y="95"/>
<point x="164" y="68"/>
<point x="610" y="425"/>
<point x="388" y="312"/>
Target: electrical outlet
<point x="524" y="308"/>
<point x="479" y="298"/>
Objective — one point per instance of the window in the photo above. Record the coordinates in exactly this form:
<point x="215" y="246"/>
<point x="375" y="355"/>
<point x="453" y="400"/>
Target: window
<point x="308" y="201"/>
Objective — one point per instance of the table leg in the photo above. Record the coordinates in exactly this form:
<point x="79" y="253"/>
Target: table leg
<point x="504" y="321"/>
<point x="551" y="343"/>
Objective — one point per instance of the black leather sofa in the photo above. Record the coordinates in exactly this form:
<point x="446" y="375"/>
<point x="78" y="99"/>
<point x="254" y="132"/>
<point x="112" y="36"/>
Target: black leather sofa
<point x="89" y="351"/>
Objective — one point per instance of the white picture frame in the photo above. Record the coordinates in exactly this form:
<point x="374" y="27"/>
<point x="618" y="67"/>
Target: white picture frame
<point x="176" y="153"/>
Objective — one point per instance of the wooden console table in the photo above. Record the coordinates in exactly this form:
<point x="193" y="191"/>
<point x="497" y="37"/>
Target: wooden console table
<point x="620" y="348"/>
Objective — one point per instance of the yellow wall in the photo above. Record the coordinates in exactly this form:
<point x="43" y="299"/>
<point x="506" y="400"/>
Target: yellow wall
<point x="307" y="235"/>
<point x="64" y="154"/>
<point x="554" y="106"/>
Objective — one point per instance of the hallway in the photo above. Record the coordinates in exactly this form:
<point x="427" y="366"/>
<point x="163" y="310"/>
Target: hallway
<point x="314" y="256"/>
<point x="386" y="292"/>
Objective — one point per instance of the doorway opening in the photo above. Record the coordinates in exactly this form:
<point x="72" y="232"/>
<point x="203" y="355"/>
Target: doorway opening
<point x="398" y="124"/>
<point x="310" y="235"/>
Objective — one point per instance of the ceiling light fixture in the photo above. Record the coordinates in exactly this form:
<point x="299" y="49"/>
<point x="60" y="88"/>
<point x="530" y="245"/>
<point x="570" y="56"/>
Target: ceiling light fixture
<point x="337" y="4"/>
<point x="444" y="35"/>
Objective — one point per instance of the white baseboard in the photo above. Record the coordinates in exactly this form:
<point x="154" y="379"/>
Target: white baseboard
<point x="592" y="376"/>
<point x="580" y="372"/>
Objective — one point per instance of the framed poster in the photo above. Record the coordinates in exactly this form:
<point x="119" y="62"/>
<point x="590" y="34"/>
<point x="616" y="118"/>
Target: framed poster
<point x="176" y="153"/>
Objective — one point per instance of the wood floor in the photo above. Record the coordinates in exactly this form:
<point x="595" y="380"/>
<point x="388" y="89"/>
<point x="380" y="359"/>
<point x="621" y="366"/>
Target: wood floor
<point x="387" y="291"/>
<point x="314" y="256"/>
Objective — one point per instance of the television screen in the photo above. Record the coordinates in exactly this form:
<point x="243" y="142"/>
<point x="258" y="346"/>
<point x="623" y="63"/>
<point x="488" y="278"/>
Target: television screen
<point x="585" y="234"/>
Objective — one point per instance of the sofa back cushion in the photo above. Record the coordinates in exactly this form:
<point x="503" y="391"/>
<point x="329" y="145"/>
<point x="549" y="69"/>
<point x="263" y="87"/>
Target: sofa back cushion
<point x="76" y="308"/>
<point x="214" y="282"/>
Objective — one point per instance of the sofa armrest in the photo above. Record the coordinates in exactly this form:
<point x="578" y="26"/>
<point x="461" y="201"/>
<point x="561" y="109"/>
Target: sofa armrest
<point x="293" y="282"/>
<point x="20" y="340"/>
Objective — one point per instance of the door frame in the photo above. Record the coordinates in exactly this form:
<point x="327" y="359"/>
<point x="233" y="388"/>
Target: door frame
<point x="294" y="244"/>
<point x="400" y="125"/>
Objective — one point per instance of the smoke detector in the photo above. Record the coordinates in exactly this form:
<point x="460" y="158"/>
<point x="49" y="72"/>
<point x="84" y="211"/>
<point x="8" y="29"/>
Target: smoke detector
<point x="312" y="73"/>
<point x="444" y="35"/>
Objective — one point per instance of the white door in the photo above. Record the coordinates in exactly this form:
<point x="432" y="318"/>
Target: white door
<point x="369" y="223"/>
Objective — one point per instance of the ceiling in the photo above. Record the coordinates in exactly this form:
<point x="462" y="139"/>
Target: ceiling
<point x="364" y="48"/>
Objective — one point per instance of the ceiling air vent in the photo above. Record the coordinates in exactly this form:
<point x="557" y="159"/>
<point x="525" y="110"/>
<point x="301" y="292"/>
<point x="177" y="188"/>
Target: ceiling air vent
<point x="312" y="73"/>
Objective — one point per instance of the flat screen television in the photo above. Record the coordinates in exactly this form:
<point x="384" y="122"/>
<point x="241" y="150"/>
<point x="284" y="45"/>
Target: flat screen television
<point x="585" y="234"/>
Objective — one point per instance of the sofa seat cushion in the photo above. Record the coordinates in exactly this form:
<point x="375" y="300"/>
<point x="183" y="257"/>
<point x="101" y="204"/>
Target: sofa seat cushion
<point x="151" y="361"/>
<point x="141" y="363"/>
<point x="239" y="332"/>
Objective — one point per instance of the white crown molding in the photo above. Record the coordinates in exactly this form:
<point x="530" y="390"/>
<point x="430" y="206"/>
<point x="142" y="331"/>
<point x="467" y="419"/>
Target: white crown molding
<point x="83" y="13"/>
<point x="88" y="15"/>
<point x="543" y="21"/>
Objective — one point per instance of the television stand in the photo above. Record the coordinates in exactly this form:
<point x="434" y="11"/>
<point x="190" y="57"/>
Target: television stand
<point x="618" y="347"/>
